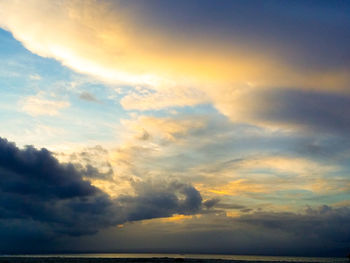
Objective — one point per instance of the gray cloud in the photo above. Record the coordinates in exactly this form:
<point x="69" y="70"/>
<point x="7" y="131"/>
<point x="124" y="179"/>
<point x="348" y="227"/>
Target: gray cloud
<point x="324" y="223"/>
<point x="216" y="202"/>
<point x="88" y="97"/>
<point x="321" y="111"/>
<point x="161" y="200"/>
<point x="322" y="231"/>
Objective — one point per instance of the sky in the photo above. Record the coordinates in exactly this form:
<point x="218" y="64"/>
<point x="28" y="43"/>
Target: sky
<point x="190" y="126"/>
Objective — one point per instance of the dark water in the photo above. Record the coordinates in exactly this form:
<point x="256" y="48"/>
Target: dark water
<point x="157" y="258"/>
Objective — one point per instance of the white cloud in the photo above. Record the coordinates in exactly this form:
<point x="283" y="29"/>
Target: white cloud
<point x="35" y="77"/>
<point x="39" y="105"/>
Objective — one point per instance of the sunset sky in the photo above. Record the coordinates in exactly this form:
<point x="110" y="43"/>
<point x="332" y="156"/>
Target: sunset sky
<point x="198" y="126"/>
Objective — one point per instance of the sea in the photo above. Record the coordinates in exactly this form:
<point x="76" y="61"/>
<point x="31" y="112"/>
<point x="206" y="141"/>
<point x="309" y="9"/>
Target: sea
<point x="248" y="258"/>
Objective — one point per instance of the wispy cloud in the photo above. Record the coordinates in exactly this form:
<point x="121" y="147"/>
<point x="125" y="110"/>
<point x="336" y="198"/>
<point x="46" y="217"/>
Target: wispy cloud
<point x="39" y="105"/>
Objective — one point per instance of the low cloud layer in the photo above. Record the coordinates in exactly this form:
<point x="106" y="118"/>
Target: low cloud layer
<point x="320" y="231"/>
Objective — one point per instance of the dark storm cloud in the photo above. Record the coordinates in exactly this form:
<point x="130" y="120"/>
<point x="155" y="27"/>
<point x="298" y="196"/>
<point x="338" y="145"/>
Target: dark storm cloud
<point x="42" y="199"/>
<point x="48" y="179"/>
<point x="321" y="111"/>
<point x="35" y="187"/>
<point x="161" y="200"/>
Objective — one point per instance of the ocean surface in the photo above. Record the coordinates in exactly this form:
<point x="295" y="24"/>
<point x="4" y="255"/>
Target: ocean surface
<point x="139" y="257"/>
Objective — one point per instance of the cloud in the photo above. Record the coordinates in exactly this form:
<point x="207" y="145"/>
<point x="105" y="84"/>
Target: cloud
<point x="167" y="97"/>
<point x="324" y="224"/>
<point x="121" y="42"/>
<point x="48" y="199"/>
<point x="215" y="203"/>
<point x="145" y="140"/>
<point x="43" y="201"/>
<point x="162" y="129"/>
<point x="266" y="175"/>
<point x="161" y="199"/>
<point x="314" y="110"/>
<point x="35" y="77"/>
<point x="318" y="231"/>
<point x="36" y="187"/>
<point x="254" y="65"/>
<point x="239" y="164"/>
<point x="38" y="105"/>
<point x="94" y="160"/>
<point x="88" y="97"/>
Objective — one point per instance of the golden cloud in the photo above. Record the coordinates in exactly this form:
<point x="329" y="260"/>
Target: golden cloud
<point x="106" y="40"/>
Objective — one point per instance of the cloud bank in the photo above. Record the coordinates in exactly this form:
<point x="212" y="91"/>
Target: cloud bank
<point x="44" y="202"/>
